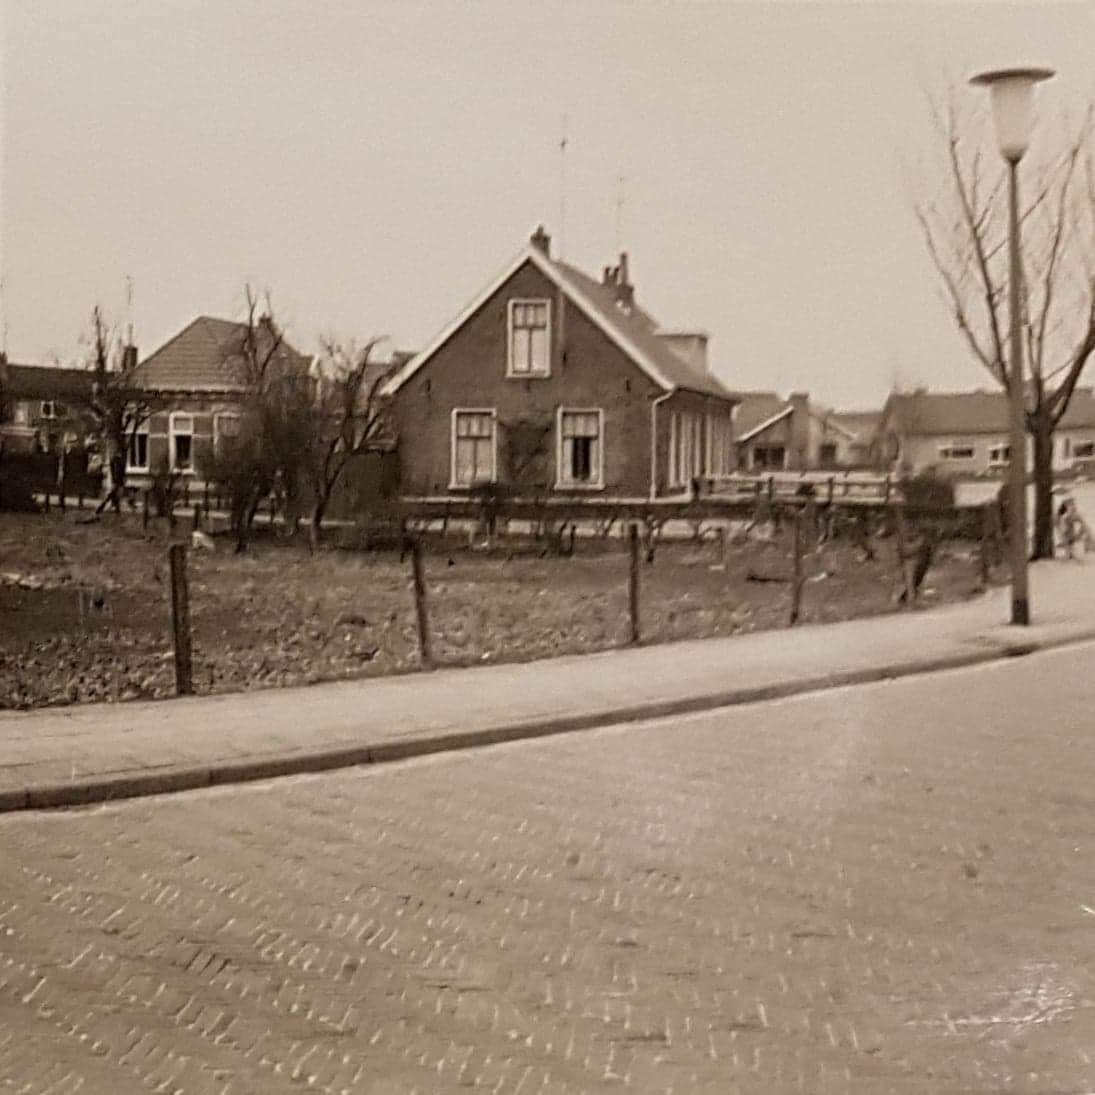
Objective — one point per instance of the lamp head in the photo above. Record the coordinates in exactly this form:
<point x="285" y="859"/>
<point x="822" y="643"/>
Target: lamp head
<point x="1012" y="91"/>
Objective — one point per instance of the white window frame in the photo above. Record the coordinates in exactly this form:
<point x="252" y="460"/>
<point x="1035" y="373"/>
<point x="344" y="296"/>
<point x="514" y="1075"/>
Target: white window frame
<point x="946" y="452"/>
<point x="172" y="433"/>
<point x="996" y="459"/>
<point x="456" y="412"/>
<point x="218" y="417"/>
<point x="131" y="449"/>
<point x="51" y="414"/>
<point x="598" y="481"/>
<point x="530" y="373"/>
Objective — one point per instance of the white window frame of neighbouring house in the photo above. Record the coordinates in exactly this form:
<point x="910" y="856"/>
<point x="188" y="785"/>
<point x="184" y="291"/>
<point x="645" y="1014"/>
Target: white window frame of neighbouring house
<point x="528" y="338"/>
<point x="958" y="449"/>
<point x="574" y="427"/>
<point x="765" y="464"/>
<point x="137" y="452"/>
<point x="1083" y="448"/>
<point x="999" y="454"/>
<point x="475" y="417"/>
<point x="180" y="424"/>
<point x="221" y="428"/>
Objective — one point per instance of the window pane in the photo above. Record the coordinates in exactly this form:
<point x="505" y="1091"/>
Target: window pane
<point x="520" y="351"/>
<point x="464" y="471"/>
<point x="538" y="349"/>
<point x="182" y="451"/>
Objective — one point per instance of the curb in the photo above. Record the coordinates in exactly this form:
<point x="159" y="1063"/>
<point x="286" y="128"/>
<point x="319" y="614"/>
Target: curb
<point x="175" y="780"/>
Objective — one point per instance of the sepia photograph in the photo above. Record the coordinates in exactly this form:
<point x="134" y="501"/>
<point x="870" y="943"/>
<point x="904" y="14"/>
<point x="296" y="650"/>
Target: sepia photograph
<point x="544" y="547"/>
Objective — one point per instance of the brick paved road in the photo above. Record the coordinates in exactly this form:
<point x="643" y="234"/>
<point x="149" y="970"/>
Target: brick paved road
<point x="858" y="891"/>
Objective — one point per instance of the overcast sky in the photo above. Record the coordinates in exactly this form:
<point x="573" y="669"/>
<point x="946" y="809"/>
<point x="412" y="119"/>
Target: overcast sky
<point x="374" y="165"/>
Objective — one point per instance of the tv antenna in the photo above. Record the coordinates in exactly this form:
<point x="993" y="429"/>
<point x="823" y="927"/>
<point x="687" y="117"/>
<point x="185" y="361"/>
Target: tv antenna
<point x="621" y="183"/>
<point x="563" y="188"/>
<point x="129" y="309"/>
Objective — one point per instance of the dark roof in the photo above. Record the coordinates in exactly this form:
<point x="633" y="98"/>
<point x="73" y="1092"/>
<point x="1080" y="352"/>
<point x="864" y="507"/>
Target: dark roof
<point x="961" y="413"/>
<point x="755" y="409"/>
<point x="46" y="382"/>
<point x="639" y="328"/>
<point x="204" y="356"/>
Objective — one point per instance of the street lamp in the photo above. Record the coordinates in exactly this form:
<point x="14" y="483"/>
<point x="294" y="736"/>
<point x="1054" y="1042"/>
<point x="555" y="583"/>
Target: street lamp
<point x="1012" y="91"/>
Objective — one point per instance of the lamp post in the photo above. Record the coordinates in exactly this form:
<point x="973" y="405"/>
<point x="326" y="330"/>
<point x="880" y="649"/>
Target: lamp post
<point x="1012" y="91"/>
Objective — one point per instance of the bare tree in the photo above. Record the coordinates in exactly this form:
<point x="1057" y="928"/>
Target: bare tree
<point x="270" y="452"/>
<point x="347" y="419"/>
<point x="965" y="230"/>
<point x="119" y="404"/>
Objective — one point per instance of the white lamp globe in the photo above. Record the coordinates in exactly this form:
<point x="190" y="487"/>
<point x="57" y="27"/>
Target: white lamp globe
<point x="1012" y="91"/>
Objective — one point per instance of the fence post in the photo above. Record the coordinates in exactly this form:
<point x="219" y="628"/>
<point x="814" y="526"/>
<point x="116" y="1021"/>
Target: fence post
<point x="771" y="487"/>
<point x="421" y="613"/>
<point x="180" y="620"/>
<point x="831" y="486"/>
<point x="197" y="516"/>
<point x="902" y="562"/>
<point x="796" y="573"/>
<point x="205" y="496"/>
<point x="144" y="509"/>
<point x="986" y="539"/>
<point x="633" y="583"/>
<point x="886" y="491"/>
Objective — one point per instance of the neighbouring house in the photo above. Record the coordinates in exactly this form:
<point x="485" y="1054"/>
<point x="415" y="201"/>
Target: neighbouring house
<point x="554" y="382"/>
<point x="793" y="434"/>
<point x="967" y="433"/>
<point x="44" y="408"/>
<point x="195" y="385"/>
<point x="863" y="425"/>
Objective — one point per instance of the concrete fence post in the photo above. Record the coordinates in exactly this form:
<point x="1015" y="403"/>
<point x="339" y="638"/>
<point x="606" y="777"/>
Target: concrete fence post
<point x="421" y="611"/>
<point x="633" y="583"/>
<point x="180" y="620"/>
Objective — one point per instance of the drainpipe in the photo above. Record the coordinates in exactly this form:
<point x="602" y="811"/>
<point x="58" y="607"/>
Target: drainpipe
<point x="654" y="443"/>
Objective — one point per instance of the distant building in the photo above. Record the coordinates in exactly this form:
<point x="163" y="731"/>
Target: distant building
<point x="793" y="434"/>
<point x="552" y="380"/>
<point x="967" y="433"/>
<point x="43" y="407"/>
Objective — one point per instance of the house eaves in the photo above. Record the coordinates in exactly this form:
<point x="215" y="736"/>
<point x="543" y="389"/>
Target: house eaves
<point x="766" y="424"/>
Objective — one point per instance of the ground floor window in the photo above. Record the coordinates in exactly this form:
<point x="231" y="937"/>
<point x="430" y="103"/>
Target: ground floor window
<point x="581" y="448"/>
<point x="957" y="450"/>
<point x="226" y="425"/>
<point x="827" y="455"/>
<point x="1083" y="450"/>
<point x="686" y="448"/>
<point x="473" y="447"/>
<point x="137" y="457"/>
<point x="999" y="454"/>
<point x="769" y="457"/>
<point x="182" y="442"/>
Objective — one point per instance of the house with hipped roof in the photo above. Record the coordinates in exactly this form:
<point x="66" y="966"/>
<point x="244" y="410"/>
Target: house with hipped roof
<point x="967" y="433"/>
<point x="196" y="383"/>
<point x="551" y="381"/>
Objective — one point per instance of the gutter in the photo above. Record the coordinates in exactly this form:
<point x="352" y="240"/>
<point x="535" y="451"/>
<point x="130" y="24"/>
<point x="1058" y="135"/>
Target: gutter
<point x="654" y="442"/>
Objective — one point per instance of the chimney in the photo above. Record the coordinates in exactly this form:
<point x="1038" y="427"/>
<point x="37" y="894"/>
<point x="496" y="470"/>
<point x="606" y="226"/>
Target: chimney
<point x="541" y="241"/>
<point x="800" y="430"/>
<point x="609" y="276"/>
<point x="625" y="291"/>
<point x="690" y="346"/>
<point x="129" y="357"/>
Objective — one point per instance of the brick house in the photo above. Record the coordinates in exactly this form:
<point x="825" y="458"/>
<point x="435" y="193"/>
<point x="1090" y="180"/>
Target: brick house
<point x="794" y="434"/>
<point x="43" y="408"/>
<point x="967" y="433"/>
<point x="194" y="381"/>
<point x="553" y="381"/>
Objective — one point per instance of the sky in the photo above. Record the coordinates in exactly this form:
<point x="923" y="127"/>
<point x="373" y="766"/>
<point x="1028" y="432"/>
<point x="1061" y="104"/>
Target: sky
<point x="374" y="165"/>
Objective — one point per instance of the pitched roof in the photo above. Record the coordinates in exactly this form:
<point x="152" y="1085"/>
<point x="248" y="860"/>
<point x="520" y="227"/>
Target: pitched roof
<point x="634" y="332"/>
<point x="204" y="356"/>
<point x="958" y="413"/>
<point x="757" y="410"/>
<point x="46" y="382"/>
<point x="860" y="423"/>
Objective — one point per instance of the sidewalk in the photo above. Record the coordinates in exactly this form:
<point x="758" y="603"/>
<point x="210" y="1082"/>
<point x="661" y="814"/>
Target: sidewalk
<point x="76" y="755"/>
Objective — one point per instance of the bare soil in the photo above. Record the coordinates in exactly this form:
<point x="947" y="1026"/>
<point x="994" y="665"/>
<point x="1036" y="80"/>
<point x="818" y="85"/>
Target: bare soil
<point x="85" y="608"/>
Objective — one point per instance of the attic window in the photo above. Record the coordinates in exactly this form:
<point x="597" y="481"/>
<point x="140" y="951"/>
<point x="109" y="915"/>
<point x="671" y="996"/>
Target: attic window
<point x="529" y="341"/>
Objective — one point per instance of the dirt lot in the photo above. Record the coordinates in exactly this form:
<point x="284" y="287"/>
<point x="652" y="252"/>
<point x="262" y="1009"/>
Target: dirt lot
<point x="84" y="608"/>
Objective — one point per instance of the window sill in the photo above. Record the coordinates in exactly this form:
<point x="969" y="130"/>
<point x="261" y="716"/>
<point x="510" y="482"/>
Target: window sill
<point x="473" y="486"/>
<point x="580" y="486"/>
<point x="529" y="376"/>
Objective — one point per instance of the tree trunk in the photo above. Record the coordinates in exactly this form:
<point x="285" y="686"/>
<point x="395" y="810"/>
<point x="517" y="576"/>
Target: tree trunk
<point x="1043" y="488"/>
<point x="316" y="523"/>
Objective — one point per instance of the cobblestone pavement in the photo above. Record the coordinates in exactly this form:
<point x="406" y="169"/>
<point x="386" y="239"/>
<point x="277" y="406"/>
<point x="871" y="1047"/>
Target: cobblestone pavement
<point x="882" y="889"/>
